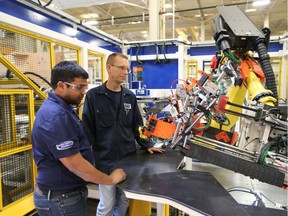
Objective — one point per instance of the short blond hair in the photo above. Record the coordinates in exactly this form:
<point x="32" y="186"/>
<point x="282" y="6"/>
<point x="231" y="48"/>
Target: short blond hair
<point x="111" y="58"/>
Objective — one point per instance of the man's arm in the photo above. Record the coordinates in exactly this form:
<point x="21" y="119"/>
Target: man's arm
<point x="82" y="168"/>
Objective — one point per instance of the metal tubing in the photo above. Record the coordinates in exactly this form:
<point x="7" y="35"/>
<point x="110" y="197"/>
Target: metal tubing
<point x="176" y="132"/>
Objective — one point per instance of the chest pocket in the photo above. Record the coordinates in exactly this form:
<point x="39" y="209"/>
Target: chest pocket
<point x="105" y="118"/>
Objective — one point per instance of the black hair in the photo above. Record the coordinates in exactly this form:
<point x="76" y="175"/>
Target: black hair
<point x="66" y="71"/>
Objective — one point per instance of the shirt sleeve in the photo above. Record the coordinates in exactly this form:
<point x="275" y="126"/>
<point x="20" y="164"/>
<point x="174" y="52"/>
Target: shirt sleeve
<point x="60" y="134"/>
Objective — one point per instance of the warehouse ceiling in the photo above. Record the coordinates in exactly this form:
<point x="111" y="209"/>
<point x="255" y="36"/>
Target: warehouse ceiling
<point x="192" y="19"/>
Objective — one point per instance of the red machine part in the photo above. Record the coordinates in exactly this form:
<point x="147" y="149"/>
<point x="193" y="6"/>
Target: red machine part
<point x="249" y="64"/>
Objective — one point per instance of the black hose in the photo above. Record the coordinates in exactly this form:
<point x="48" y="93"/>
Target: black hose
<point x="9" y="74"/>
<point x="261" y="157"/>
<point x="137" y="53"/>
<point x="34" y="82"/>
<point x="39" y="76"/>
<point x="164" y="53"/>
<point x="157" y="60"/>
<point x="265" y="63"/>
<point x="221" y="36"/>
<point x="46" y="5"/>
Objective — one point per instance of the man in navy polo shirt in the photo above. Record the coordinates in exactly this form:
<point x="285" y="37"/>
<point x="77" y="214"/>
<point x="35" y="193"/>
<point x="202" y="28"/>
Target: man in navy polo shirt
<point x="61" y="150"/>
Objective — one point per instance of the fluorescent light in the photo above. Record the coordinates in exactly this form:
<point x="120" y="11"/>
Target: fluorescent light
<point x="168" y="14"/>
<point x="199" y="15"/>
<point x="91" y="22"/>
<point x="70" y="31"/>
<point x="131" y="4"/>
<point x="261" y="2"/>
<point x="89" y="15"/>
<point x="168" y="6"/>
<point x="250" y="10"/>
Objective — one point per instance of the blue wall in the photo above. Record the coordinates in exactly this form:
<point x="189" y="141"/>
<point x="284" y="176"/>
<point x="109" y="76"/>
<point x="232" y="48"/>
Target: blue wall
<point x="157" y="76"/>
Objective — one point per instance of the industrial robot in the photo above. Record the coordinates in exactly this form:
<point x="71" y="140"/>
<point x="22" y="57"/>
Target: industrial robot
<point x="241" y="125"/>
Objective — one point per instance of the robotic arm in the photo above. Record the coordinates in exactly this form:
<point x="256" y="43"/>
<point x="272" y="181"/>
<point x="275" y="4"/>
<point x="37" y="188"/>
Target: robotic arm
<point x="202" y="118"/>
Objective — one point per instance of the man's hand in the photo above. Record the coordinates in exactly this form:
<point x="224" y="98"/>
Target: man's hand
<point x="118" y="175"/>
<point x="158" y="150"/>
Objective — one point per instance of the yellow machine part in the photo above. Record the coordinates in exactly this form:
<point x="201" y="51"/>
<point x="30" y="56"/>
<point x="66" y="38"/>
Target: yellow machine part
<point x="143" y="208"/>
<point x="256" y="88"/>
<point x="19" y="207"/>
<point x="139" y="208"/>
<point x="15" y="150"/>
<point x="236" y="95"/>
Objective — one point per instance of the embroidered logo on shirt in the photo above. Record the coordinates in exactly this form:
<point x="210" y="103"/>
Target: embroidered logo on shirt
<point x="65" y="145"/>
<point x="127" y="107"/>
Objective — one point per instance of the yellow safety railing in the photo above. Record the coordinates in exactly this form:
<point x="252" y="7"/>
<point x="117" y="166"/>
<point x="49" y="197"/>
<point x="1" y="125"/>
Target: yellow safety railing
<point x="17" y="169"/>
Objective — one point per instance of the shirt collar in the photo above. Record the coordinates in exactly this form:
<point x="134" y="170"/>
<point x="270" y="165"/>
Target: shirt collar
<point x="60" y="101"/>
<point x="102" y="90"/>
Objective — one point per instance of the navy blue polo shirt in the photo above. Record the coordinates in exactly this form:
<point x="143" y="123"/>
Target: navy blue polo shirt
<point x="58" y="133"/>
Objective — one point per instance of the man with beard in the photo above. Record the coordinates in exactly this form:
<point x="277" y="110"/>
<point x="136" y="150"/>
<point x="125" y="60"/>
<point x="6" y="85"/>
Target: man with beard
<point x="61" y="150"/>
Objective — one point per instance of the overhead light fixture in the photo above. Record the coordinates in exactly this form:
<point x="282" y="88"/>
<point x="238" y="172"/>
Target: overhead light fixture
<point x="134" y="22"/>
<point x="168" y="6"/>
<point x="89" y="15"/>
<point x="131" y="4"/>
<point x="168" y="14"/>
<point x="144" y="33"/>
<point x="91" y="22"/>
<point x="250" y="10"/>
<point x="261" y="2"/>
<point x="71" y="31"/>
<point x="199" y="15"/>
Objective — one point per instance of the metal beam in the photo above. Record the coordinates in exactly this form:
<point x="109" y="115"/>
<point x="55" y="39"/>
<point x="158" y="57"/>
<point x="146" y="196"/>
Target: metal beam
<point x="22" y="76"/>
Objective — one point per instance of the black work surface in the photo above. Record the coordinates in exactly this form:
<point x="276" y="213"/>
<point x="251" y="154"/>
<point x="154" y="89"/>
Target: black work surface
<point x="156" y="175"/>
